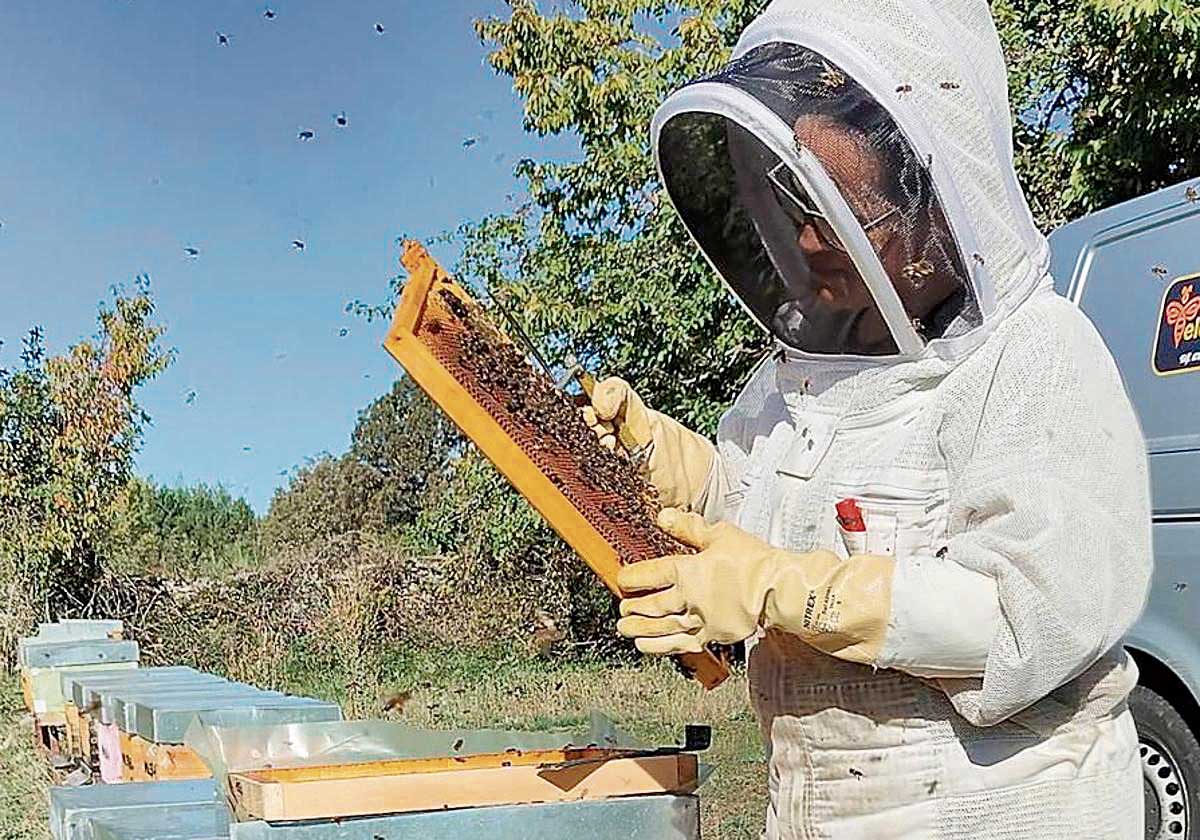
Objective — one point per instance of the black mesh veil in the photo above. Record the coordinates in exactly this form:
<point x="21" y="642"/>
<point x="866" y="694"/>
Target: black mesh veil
<point x="787" y="254"/>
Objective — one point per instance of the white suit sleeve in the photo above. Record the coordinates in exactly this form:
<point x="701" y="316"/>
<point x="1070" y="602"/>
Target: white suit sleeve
<point x="942" y="621"/>
<point x="1049" y="496"/>
<point x="711" y="502"/>
<point x="721" y="497"/>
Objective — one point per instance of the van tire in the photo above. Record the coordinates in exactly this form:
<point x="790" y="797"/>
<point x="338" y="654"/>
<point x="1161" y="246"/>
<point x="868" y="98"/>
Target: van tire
<point x="1170" y="759"/>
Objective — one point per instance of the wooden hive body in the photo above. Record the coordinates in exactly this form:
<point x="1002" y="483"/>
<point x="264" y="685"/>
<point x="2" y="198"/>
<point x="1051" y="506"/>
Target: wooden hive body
<point x="435" y="336"/>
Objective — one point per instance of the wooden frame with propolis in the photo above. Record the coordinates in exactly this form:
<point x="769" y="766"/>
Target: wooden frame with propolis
<point x="426" y="276"/>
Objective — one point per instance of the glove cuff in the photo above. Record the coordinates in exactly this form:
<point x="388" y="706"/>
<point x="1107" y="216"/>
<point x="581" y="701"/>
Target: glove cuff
<point x="680" y="461"/>
<point x="840" y="607"/>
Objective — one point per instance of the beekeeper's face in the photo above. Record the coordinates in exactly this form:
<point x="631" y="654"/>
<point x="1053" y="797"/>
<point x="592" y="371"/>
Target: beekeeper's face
<point x="807" y="197"/>
<point x="836" y="283"/>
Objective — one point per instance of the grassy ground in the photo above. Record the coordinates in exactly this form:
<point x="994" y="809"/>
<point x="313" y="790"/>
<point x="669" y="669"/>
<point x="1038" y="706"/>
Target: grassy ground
<point x="649" y="701"/>
<point x="24" y="774"/>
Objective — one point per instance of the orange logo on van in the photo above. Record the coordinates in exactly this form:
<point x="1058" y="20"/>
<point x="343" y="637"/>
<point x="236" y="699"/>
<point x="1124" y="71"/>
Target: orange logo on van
<point x="1183" y="313"/>
<point x="1177" y="345"/>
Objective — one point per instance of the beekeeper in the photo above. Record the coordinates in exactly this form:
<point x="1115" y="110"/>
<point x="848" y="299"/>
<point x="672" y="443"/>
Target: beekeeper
<point x="928" y="511"/>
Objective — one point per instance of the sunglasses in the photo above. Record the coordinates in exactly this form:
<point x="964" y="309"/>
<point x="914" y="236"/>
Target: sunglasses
<point x="802" y="210"/>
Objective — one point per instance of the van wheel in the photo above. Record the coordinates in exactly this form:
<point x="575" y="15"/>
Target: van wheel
<point x="1170" y="757"/>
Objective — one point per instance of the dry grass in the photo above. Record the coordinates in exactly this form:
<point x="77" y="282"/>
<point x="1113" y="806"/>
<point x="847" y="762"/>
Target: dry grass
<point x="24" y="774"/>
<point x="649" y="701"/>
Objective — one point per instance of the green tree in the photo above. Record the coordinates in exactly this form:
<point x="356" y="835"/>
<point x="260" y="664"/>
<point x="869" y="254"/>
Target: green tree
<point x="185" y="530"/>
<point x="1105" y="93"/>
<point x="398" y="461"/>
<point x="69" y="428"/>
<point x="407" y="439"/>
<point x="1105" y="104"/>
<point x="326" y="498"/>
<point x="601" y="264"/>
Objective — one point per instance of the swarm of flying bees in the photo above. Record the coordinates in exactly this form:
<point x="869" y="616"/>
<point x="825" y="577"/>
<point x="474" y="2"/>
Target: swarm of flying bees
<point x="545" y="635"/>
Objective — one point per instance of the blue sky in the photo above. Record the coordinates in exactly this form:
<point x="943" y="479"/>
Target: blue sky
<point x="127" y="133"/>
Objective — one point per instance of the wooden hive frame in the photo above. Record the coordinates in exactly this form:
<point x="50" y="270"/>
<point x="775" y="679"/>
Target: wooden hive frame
<point x="427" y="277"/>
<point x="468" y="781"/>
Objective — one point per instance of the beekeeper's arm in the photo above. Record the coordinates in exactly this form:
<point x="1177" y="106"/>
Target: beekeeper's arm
<point x="1051" y="499"/>
<point x="1047" y="568"/>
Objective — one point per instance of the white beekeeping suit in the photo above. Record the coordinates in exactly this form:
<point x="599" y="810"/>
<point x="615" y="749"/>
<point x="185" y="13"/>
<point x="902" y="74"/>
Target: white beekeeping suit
<point x="849" y="174"/>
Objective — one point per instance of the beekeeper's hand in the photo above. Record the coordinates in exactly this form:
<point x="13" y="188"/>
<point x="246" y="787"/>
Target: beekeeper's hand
<point x="674" y="459"/>
<point x="737" y="582"/>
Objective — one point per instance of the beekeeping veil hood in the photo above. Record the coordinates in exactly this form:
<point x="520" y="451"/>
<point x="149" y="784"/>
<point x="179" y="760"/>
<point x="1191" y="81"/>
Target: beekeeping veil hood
<point x="849" y="175"/>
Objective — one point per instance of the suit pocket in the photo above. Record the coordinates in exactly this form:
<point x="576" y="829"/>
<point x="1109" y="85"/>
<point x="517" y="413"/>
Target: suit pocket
<point x="901" y="518"/>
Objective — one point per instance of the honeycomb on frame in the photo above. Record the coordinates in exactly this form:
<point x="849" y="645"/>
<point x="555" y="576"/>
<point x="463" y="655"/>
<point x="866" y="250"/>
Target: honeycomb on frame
<point x="534" y="434"/>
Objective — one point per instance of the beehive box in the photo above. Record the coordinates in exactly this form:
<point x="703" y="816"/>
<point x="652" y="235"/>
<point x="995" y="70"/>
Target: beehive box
<point x="337" y="791"/>
<point x="71" y="629"/>
<point x="66" y="653"/>
<point x="165" y="720"/>
<point x="153" y="747"/>
<point x="79" y="687"/>
<point x="82" y="705"/>
<point x="174" y="822"/>
<point x="531" y="431"/>
<point x="72" y="807"/>
<point x="138" y="710"/>
<point x="663" y="817"/>
<point x="98" y="733"/>
<point x="44" y="685"/>
<point x="123" y="757"/>
<point x="42" y="659"/>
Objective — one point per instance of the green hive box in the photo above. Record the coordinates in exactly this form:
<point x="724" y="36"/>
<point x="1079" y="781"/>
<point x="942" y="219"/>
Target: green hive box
<point x="632" y="818"/>
<point x="45" y="684"/>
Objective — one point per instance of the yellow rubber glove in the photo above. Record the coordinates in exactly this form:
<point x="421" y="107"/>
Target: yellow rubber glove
<point x="677" y="460"/>
<point x="737" y="582"/>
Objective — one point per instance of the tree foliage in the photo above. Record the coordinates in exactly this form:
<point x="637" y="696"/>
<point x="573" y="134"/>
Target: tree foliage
<point x="1105" y="94"/>
<point x="326" y="498"/>
<point x="1105" y="99"/>
<point x="409" y="441"/>
<point x="399" y="457"/>
<point x="69" y="428"/>
<point x="183" y="531"/>
<point x="600" y="264"/>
